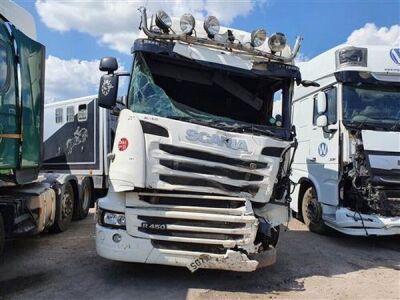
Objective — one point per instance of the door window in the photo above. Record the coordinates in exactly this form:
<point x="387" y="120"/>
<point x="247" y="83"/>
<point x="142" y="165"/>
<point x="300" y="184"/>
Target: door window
<point x="70" y="114"/>
<point x="331" y="111"/>
<point x="82" y="113"/>
<point x="59" y="115"/>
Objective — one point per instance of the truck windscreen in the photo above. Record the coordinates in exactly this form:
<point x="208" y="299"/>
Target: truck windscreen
<point x="371" y="105"/>
<point x="195" y="93"/>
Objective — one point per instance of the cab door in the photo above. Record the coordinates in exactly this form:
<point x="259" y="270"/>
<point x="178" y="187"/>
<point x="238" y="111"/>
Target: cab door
<point x="9" y="112"/>
<point x="323" y="160"/>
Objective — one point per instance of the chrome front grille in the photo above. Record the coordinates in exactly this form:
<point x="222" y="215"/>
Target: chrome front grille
<point x="190" y="222"/>
<point x="181" y="168"/>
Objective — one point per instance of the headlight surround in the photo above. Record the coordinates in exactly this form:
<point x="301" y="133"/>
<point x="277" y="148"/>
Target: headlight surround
<point x="111" y="219"/>
<point x="211" y="26"/>
<point x="163" y="21"/>
<point x="187" y="23"/>
<point x="258" y="37"/>
<point x="277" y="42"/>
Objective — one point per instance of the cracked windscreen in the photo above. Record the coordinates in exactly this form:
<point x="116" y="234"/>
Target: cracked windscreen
<point x="203" y="95"/>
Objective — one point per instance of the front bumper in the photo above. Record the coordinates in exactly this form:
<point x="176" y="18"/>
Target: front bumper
<point x="353" y="223"/>
<point x="141" y="250"/>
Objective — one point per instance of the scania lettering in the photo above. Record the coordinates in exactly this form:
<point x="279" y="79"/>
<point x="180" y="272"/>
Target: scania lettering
<point x="347" y="166"/>
<point x="204" y="137"/>
<point x="202" y="177"/>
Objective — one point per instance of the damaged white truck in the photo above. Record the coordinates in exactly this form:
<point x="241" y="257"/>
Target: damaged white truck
<point x="347" y="164"/>
<point x="199" y="171"/>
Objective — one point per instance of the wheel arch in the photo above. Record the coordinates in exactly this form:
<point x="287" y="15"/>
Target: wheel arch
<point x="305" y="183"/>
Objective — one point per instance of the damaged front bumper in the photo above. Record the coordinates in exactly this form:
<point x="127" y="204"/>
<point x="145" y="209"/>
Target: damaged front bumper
<point x="133" y="249"/>
<point x="354" y="223"/>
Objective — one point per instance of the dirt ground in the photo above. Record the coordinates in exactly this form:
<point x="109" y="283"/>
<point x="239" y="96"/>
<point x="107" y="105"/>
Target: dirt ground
<point x="309" y="266"/>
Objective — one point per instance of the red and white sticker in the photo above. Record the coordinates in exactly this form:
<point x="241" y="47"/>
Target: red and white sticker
<point x="123" y="144"/>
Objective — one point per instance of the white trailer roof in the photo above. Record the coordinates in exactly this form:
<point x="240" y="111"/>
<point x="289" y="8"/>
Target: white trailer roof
<point x="18" y="16"/>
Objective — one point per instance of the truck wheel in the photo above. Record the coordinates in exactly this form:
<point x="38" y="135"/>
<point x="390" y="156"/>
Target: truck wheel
<point x="85" y="199"/>
<point x="2" y="234"/>
<point x="64" y="209"/>
<point x="312" y="212"/>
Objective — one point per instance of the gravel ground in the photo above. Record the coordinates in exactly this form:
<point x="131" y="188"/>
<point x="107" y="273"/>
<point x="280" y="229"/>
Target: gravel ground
<point x="309" y="266"/>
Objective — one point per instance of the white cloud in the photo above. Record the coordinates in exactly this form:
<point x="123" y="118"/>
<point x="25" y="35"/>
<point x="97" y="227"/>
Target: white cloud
<point x="115" y="23"/>
<point x="67" y="79"/>
<point x="370" y="34"/>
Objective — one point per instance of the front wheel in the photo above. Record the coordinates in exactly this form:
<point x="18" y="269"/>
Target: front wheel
<point x="2" y="234"/>
<point x="64" y="209"/>
<point x="312" y="212"/>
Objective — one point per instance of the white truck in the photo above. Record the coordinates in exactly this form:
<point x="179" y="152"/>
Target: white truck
<point x="77" y="136"/>
<point x="30" y="201"/>
<point x="347" y="164"/>
<point x="199" y="171"/>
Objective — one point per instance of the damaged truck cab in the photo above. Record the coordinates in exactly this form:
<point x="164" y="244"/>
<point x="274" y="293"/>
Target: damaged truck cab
<point x="199" y="171"/>
<point x="347" y="165"/>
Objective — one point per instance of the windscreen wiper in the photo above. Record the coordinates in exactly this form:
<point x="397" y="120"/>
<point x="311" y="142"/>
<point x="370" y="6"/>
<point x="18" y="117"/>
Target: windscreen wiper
<point x="252" y="129"/>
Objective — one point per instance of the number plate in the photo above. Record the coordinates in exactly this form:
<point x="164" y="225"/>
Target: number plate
<point x="198" y="262"/>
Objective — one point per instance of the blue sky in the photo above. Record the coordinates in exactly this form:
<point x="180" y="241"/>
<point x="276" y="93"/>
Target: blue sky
<point x="323" y="24"/>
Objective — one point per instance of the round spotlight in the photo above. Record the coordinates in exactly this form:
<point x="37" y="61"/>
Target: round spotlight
<point x="163" y="21"/>
<point x="187" y="23"/>
<point x="258" y="37"/>
<point x="277" y="42"/>
<point x="116" y="238"/>
<point x="211" y="26"/>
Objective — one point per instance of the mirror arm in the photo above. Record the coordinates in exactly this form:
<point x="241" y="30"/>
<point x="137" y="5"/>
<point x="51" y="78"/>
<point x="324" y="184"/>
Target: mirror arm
<point x="308" y="83"/>
<point x="122" y="74"/>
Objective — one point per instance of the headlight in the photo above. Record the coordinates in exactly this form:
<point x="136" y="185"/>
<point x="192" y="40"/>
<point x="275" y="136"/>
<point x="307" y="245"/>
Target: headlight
<point x="211" y="26"/>
<point x="114" y="219"/>
<point x="187" y="23"/>
<point x="163" y="21"/>
<point x="258" y="37"/>
<point x="277" y="42"/>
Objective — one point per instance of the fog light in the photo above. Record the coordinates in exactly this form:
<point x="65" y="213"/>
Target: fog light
<point x="117" y="238"/>
<point x="277" y="42"/>
<point x="211" y="26"/>
<point x="163" y="21"/>
<point x="187" y="23"/>
<point x="258" y="37"/>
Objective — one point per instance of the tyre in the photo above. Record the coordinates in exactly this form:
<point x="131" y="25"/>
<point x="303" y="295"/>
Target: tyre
<point x="85" y="200"/>
<point x="312" y="211"/>
<point x="2" y="234"/>
<point x="64" y="209"/>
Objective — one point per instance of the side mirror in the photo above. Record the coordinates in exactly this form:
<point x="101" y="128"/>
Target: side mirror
<point x="108" y="64"/>
<point x="321" y="103"/>
<point x="322" y="121"/>
<point x="108" y="91"/>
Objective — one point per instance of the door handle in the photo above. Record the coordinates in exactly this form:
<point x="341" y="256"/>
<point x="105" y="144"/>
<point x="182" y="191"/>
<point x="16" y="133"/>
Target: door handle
<point x="311" y="158"/>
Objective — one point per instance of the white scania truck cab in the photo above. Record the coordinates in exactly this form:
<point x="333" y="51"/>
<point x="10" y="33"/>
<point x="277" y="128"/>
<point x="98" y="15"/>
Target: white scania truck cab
<point x="199" y="171"/>
<point x="347" y="164"/>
